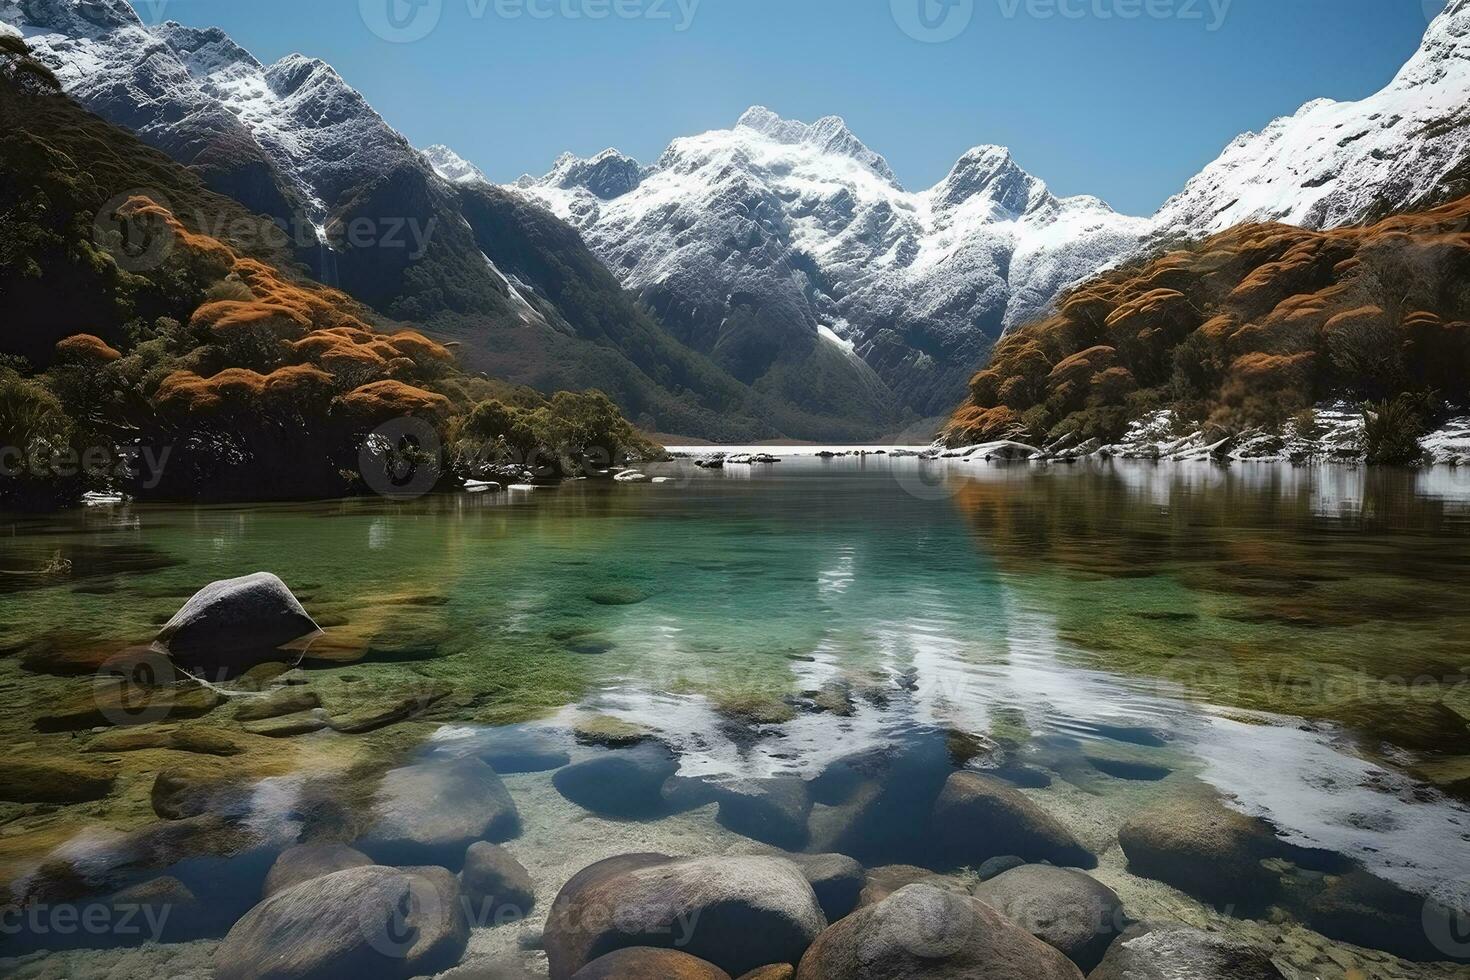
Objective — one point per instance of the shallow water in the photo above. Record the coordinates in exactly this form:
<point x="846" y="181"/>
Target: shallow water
<point x="1295" y="638"/>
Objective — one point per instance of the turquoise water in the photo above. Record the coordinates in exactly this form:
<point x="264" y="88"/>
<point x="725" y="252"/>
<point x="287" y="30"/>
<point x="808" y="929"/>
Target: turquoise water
<point x="1295" y="638"/>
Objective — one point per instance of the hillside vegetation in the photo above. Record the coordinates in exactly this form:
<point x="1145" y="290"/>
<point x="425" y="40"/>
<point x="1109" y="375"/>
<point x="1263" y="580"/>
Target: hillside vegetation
<point x="142" y="353"/>
<point x="1246" y="329"/>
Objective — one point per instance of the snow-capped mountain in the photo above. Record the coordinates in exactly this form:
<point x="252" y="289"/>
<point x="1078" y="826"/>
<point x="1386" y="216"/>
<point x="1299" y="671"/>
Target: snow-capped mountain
<point x="742" y="238"/>
<point x="809" y="225"/>
<point x="1338" y="163"/>
<point x="786" y="253"/>
<point x="453" y="167"/>
<point x="476" y="264"/>
<point x="196" y="93"/>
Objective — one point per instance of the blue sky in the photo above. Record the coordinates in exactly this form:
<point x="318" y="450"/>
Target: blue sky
<point x="1125" y="99"/>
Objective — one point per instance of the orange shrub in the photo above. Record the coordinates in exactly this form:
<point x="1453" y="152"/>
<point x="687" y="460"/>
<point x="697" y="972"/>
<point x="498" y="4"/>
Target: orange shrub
<point x="84" y="348"/>
<point x="383" y="400"/>
<point x="238" y="388"/>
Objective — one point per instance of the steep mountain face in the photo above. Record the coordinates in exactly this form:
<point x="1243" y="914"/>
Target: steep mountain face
<point x="778" y="245"/>
<point x="1340" y="163"/>
<point x="754" y="240"/>
<point x="368" y="213"/>
<point x="788" y="283"/>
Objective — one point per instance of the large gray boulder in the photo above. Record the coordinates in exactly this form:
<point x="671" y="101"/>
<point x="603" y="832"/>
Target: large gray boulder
<point x="737" y="913"/>
<point x="235" y="620"/>
<point x="773" y="811"/>
<point x="1074" y="912"/>
<point x="879" y="883"/>
<point x="1176" y="952"/>
<point x="362" y="922"/>
<point x="836" y="878"/>
<point x="978" y="817"/>
<point x="1199" y="845"/>
<point x="307" y="861"/>
<point x="497" y="886"/>
<point x="925" y="933"/>
<point x="431" y="812"/>
<point x="626" y="784"/>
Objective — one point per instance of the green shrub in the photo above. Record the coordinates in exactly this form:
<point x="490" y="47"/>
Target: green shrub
<point x="1392" y="429"/>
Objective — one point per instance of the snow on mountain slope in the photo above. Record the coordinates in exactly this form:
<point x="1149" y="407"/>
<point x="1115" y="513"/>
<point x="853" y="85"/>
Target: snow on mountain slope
<point x="371" y="215"/>
<point x="1337" y="163"/>
<point x="803" y="228"/>
<point x="453" y="167"/>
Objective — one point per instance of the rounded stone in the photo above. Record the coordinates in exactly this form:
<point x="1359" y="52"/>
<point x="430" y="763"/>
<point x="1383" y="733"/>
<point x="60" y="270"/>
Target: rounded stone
<point x="649" y="964"/>
<point x="1074" y="912"/>
<point x="977" y="818"/>
<point x="362" y="922"/>
<point x="307" y="861"/>
<point x="497" y="885"/>
<point x="924" y="933"/>
<point x="711" y="908"/>
<point x="1167" y="952"/>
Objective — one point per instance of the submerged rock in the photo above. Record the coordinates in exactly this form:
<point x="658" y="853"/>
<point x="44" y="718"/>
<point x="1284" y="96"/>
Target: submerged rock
<point x="737" y="913"/>
<point x="649" y="964"/>
<point x="879" y="883"/>
<point x="193" y="739"/>
<point x="168" y="903"/>
<point x="431" y="812"/>
<point x="1202" y="847"/>
<point x="924" y="933"/>
<point x="836" y="879"/>
<point x="288" y="726"/>
<point x="513" y="750"/>
<point x="236" y="620"/>
<point x="307" y="861"/>
<point x="978" y="817"/>
<point x="1069" y="910"/>
<point x="362" y="922"/>
<point x="1365" y="910"/>
<point x="1169" y="952"/>
<point x="618" y="595"/>
<point x="998" y="866"/>
<point x="114" y="701"/>
<point x="626" y="784"/>
<point x="281" y="701"/>
<point x="194" y="790"/>
<point x="609" y="732"/>
<point x="389" y="711"/>
<point x="32" y="778"/>
<point x="773" y="811"/>
<point x="496" y="884"/>
<point x="777" y="971"/>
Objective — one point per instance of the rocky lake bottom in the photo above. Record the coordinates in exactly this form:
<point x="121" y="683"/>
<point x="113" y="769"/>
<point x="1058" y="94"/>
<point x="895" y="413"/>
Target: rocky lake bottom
<point x="1235" y="698"/>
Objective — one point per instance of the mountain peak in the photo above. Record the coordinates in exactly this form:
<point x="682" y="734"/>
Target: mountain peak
<point x="205" y="51"/>
<point x="607" y="175"/>
<point x="453" y="167"/>
<point x="991" y="172"/>
<point x="74" y="18"/>
<point x="829" y="134"/>
<point x="1445" y="48"/>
